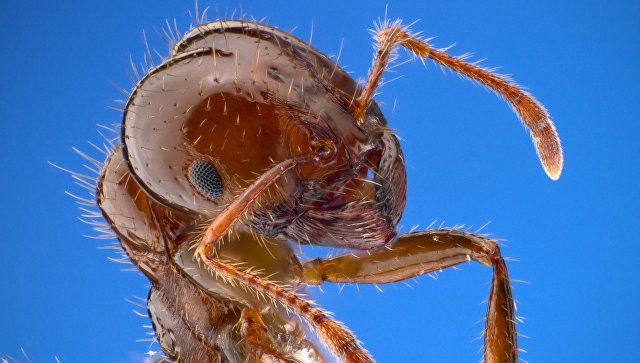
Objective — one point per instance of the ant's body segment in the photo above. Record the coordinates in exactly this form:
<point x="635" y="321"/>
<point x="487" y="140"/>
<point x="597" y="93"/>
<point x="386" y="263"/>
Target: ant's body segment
<point x="245" y="139"/>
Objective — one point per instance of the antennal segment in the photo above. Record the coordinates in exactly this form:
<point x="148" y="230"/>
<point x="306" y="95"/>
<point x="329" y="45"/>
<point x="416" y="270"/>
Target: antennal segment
<point x="529" y="110"/>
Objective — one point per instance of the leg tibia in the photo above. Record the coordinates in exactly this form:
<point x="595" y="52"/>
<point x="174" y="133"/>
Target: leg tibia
<point x="414" y="254"/>
<point x="410" y="255"/>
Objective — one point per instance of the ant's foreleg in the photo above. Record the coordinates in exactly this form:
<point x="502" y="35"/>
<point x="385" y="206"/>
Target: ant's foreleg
<point x="418" y="253"/>
<point x="337" y="337"/>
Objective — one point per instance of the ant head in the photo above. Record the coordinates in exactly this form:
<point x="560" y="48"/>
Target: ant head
<point x="235" y="98"/>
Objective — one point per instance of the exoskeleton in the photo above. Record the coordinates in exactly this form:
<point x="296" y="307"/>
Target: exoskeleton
<point x="246" y="139"/>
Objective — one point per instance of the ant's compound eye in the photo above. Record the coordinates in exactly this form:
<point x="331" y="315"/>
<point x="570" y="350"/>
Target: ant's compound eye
<point x="206" y="179"/>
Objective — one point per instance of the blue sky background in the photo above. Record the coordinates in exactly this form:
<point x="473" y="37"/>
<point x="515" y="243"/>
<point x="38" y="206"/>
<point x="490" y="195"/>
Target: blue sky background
<point x="469" y="162"/>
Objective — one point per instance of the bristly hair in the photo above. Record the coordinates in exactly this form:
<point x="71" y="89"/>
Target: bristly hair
<point x="91" y="215"/>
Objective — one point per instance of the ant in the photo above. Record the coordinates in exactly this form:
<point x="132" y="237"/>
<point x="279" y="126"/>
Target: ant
<point x="245" y="139"/>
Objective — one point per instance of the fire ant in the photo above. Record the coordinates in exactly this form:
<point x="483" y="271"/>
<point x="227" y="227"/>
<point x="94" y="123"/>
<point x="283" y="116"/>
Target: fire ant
<point x="245" y="139"/>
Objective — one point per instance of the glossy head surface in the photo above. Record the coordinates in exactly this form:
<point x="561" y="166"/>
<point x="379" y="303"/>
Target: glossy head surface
<point x="232" y="97"/>
<point x="235" y="98"/>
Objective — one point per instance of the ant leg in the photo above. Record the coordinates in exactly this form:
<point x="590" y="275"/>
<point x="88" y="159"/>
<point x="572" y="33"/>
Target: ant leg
<point x="529" y="110"/>
<point x="418" y="253"/>
<point x="340" y="341"/>
<point x="257" y="340"/>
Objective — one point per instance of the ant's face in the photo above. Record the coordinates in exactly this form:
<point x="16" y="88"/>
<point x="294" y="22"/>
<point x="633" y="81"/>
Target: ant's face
<point x="226" y="106"/>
